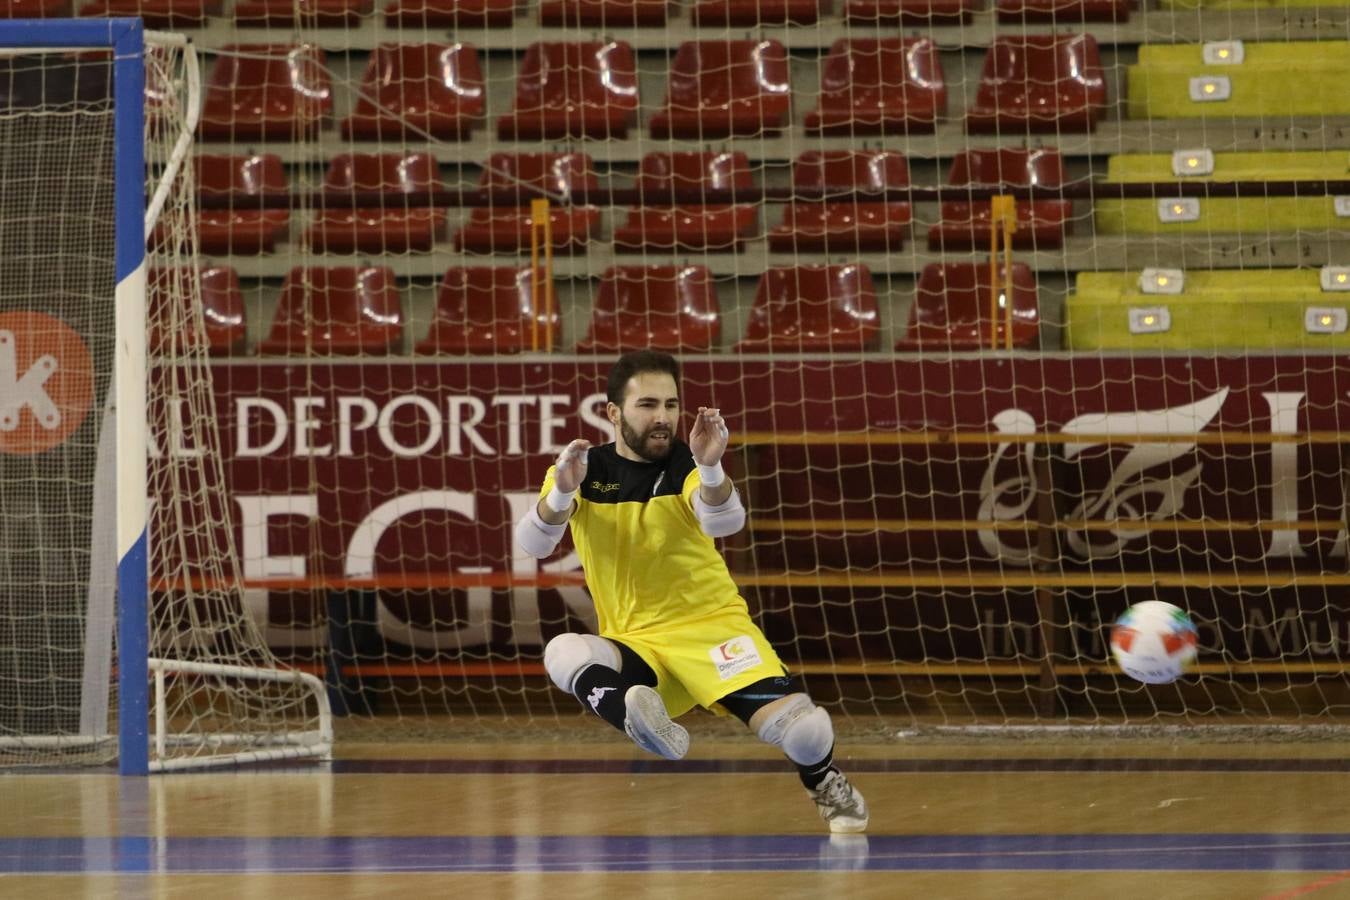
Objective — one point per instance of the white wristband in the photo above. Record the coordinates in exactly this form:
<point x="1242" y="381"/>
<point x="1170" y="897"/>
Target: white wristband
<point x="711" y="476"/>
<point x="559" y="501"/>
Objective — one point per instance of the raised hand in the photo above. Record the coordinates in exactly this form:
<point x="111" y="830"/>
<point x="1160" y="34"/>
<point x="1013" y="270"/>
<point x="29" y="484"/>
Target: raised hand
<point x="708" y="437"/>
<point x="571" y="466"/>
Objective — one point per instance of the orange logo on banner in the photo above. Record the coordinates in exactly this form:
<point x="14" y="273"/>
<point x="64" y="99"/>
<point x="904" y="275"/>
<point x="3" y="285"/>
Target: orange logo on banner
<point x="46" y="382"/>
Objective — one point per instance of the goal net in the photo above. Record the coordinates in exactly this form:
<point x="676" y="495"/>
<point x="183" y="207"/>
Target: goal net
<point x="114" y="503"/>
<point x="1021" y="312"/>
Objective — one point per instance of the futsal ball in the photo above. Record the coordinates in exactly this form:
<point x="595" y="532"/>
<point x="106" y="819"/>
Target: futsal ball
<point x="1154" y="642"/>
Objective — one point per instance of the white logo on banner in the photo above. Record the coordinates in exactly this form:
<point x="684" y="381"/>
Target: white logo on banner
<point x="1143" y="499"/>
<point x="17" y="392"/>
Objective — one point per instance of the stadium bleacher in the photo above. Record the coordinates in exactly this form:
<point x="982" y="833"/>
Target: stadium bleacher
<point x="418" y="90"/>
<point x="1040" y="223"/>
<point x="222" y="302"/>
<point x="742" y="13"/>
<point x="955" y="310"/>
<point x="879" y="86"/>
<point x="483" y="310"/>
<point x="1221" y="309"/>
<point x="243" y="226"/>
<point x="1063" y="10"/>
<point x="721" y="89"/>
<point x="847" y="224"/>
<point x="1212" y="215"/>
<point x="672" y="308"/>
<point x="307" y="13"/>
<point x="661" y="223"/>
<point x="806" y="309"/>
<point x="378" y="225"/>
<point x="496" y="229"/>
<point x="267" y="92"/>
<point x="1039" y="83"/>
<point x="155" y="13"/>
<point x="338" y="311"/>
<point x="909" y="12"/>
<point x="450" y="13"/>
<point x="1274" y="79"/>
<point x="1018" y="93"/>
<point x="573" y="90"/>
<point x="611" y="13"/>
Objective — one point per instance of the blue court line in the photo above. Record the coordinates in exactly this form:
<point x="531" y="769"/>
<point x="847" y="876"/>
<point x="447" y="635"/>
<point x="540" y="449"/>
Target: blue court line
<point x="889" y="766"/>
<point x="647" y="766"/>
<point x="678" y="853"/>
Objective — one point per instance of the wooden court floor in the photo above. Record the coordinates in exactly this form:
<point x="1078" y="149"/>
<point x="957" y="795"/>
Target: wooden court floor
<point x="559" y="820"/>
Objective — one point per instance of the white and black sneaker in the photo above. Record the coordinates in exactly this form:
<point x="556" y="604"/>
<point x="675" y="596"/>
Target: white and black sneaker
<point x="650" y="726"/>
<point x="840" y="804"/>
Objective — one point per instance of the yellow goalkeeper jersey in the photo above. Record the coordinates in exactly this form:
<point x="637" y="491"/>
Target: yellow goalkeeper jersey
<point x="648" y="563"/>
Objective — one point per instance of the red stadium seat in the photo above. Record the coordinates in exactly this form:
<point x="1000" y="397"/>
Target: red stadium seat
<point x="603" y="13"/>
<point x="307" y="13"/>
<point x="909" y="12"/>
<point x="671" y="308"/>
<point x="488" y="310"/>
<point x="663" y="222"/>
<point x="822" y="226"/>
<point x="506" y="229"/>
<point x="450" y="13"/>
<point x="1065" y="12"/>
<point x="245" y="226"/>
<point x="34" y="9"/>
<point x="389" y="226"/>
<point x="805" y="309"/>
<point x="954" y="309"/>
<point x="724" y="88"/>
<point x="337" y="311"/>
<point x="886" y="86"/>
<point x="285" y="96"/>
<point x="154" y="13"/>
<point x="573" y="90"/>
<point x="752" y="13"/>
<point x="410" y="89"/>
<point x="222" y="305"/>
<point x="1040" y="223"/>
<point x="1039" y="83"/>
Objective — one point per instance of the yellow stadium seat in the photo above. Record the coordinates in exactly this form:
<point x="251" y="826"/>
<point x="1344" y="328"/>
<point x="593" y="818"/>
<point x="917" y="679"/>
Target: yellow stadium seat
<point x="1255" y="54"/>
<point x="1264" y="215"/>
<point x="1248" y="4"/>
<point x="1274" y="79"/>
<point x="1215" y="310"/>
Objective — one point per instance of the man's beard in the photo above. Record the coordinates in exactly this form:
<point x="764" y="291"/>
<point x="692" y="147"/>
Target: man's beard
<point x="638" y="442"/>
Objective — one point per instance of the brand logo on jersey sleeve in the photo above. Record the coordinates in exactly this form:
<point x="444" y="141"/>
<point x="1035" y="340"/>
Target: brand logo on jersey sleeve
<point x="46" y="382"/>
<point x="735" y="656"/>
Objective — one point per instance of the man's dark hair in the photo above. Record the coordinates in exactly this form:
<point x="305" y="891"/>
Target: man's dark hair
<point x="637" y="363"/>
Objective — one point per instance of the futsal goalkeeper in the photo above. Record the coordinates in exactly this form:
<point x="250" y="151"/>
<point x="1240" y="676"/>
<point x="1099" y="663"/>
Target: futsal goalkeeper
<point x="674" y="630"/>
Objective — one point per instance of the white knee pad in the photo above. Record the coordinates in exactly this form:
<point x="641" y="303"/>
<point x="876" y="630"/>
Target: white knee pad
<point x="802" y="729"/>
<point x="568" y="654"/>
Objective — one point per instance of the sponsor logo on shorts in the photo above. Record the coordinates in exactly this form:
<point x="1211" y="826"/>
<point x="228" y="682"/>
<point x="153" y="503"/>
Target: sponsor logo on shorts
<point x="46" y="382"/>
<point x="735" y="656"/>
